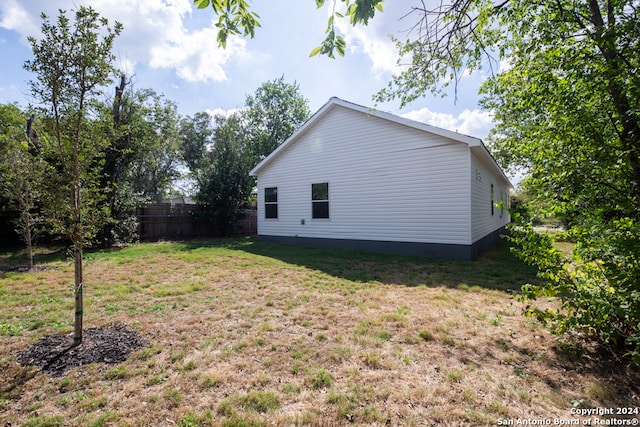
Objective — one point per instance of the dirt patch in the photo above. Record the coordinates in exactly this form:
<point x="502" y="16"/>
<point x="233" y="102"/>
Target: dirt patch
<point x="56" y="354"/>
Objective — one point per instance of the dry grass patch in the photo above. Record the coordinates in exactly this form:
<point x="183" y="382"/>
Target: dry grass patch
<point x="243" y="332"/>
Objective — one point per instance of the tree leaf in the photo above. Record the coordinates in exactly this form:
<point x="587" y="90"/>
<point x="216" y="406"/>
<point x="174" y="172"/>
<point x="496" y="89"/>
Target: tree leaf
<point x="201" y="4"/>
<point x="315" y="51"/>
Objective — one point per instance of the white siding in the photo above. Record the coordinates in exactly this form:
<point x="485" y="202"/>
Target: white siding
<point x="387" y="182"/>
<point x="483" y="222"/>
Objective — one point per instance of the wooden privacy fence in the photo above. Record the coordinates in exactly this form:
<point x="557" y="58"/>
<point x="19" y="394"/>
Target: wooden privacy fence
<point x="182" y="221"/>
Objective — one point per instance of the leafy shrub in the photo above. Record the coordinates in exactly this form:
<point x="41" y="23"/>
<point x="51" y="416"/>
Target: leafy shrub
<point x="598" y="287"/>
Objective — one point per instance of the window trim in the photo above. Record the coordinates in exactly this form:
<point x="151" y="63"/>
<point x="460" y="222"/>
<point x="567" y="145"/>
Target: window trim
<point x="316" y="202"/>
<point x="270" y="203"/>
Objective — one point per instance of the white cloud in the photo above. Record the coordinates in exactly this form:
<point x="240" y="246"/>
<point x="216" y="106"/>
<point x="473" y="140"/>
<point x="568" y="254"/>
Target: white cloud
<point x="213" y="112"/>
<point x="196" y="56"/>
<point x="16" y="17"/>
<point x="381" y="51"/>
<point x="475" y="122"/>
<point x="155" y="33"/>
<point x="441" y="120"/>
<point x="372" y="41"/>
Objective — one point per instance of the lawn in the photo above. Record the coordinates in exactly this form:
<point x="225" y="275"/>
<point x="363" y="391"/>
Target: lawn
<point x="248" y="333"/>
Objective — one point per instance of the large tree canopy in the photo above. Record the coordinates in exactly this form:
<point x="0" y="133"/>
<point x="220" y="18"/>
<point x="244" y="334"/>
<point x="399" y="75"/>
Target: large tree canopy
<point x="142" y="162"/>
<point x="273" y="112"/>
<point x="223" y="180"/>
<point x="220" y="152"/>
<point x="572" y="70"/>
<point x="154" y="126"/>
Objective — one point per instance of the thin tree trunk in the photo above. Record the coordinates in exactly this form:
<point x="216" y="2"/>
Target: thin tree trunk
<point x="77" y="252"/>
<point x="28" y="239"/>
<point x="77" y="326"/>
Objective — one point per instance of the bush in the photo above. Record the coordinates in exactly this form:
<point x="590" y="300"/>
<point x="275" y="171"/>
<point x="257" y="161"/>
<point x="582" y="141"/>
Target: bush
<point x="598" y="287"/>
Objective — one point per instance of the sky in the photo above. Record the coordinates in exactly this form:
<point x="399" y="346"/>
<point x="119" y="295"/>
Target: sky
<point x="171" y="47"/>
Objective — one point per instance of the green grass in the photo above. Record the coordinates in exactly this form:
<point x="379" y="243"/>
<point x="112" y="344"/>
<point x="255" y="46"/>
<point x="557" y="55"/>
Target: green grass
<point x="319" y="378"/>
<point x="254" y="401"/>
<point x="42" y="255"/>
<point x="245" y="333"/>
<point x="426" y="335"/>
<point x="44" y="421"/>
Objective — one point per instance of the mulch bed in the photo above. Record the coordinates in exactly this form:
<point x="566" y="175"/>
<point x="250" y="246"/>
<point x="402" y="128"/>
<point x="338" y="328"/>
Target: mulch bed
<point x="56" y="354"/>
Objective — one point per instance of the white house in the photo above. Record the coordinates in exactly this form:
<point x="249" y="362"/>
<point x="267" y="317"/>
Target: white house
<point x="353" y="177"/>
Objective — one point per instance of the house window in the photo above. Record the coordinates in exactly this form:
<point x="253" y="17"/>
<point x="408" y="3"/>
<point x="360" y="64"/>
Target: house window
<point x="492" y="204"/>
<point x="320" y="200"/>
<point x="271" y="202"/>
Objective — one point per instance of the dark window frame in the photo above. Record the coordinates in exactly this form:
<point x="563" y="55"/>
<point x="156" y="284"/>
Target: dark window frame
<point x="271" y="203"/>
<point x="320" y="200"/>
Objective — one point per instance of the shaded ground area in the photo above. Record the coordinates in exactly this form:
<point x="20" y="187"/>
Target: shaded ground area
<point x="25" y="268"/>
<point x="16" y="259"/>
<point x="55" y="354"/>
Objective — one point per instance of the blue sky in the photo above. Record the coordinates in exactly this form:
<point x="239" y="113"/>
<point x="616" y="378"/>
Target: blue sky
<point x="169" y="46"/>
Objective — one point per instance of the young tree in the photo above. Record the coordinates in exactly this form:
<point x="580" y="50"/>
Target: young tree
<point x="72" y="63"/>
<point x="23" y="172"/>
<point x="274" y="112"/>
